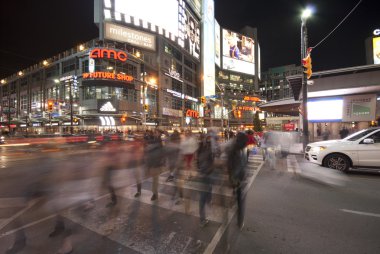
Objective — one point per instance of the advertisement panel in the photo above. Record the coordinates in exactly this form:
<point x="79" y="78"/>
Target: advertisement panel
<point x="359" y="108"/>
<point x="325" y="110"/>
<point x="376" y="50"/>
<point x="128" y="35"/>
<point x="208" y="48"/>
<point x="191" y="34"/>
<point x="169" y="18"/>
<point x="217" y="44"/>
<point x="151" y="11"/>
<point x="238" y="52"/>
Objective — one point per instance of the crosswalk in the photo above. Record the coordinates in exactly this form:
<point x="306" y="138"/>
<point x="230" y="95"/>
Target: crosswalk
<point x="10" y="208"/>
<point x="177" y="219"/>
<point x="292" y="164"/>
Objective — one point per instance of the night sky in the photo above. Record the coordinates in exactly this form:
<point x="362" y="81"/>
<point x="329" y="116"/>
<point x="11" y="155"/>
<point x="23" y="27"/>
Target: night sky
<point x="34" y="30"/>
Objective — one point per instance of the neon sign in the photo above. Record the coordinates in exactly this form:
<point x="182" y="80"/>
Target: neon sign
<point x="107" y="75"/>
<point x="192" y="113"/>
<point x="248" y="98"/>
<point x="108" y="53"/>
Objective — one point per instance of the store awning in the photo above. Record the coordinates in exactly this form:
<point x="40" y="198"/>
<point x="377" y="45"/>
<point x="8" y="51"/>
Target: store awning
<point x="286" y="107"/>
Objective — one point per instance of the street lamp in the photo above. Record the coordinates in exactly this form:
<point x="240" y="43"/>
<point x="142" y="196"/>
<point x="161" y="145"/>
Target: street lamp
<point x="305" y="15"/>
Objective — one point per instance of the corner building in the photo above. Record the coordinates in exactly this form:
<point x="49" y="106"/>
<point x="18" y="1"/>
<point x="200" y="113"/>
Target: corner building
<point x="136" y="73"/>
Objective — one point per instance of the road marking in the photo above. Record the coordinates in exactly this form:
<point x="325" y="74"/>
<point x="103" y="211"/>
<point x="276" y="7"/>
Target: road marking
<point x="292" y="164"/>
<point x="7" y="221"/>
<point x="12" y="202"/>
<point x="218" y="235"/>
<point x="27" y="225"/>
<point x="361" y="213"/>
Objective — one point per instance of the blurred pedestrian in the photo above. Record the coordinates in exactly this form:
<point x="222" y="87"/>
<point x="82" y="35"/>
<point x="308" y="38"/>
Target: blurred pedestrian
<point x="205" y="165"/>
<point x="188" y="146"/>
<point x="326" y="134"/>
<point x="172" y="154"/>
<point x="154" y="159"/>
<point x="111" y="164"/>
<point x="236" y="164"/>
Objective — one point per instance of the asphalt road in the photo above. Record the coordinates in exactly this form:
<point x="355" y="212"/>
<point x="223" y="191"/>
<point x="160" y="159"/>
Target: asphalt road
<point x="39" y="187"/>
<point x="302" y="208"/>
<point x="297" y="207"/>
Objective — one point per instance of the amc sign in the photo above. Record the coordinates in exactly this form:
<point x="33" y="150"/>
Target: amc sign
<point x="192" y="113"/>
<point x="108" y="53"/>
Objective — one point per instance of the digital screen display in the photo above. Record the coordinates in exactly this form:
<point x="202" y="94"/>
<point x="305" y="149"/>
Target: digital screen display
<point x="238" y="52"/>
<point x="147" y="10"/>
<point x="376" y="50"/>
<point x="325" y="110"/>
<point x="208" y="48"/>
<point x="169" y="18"/>
<point x="217" y="44"/>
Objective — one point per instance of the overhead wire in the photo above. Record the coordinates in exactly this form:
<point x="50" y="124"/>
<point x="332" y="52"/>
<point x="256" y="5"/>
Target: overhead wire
<point x="337" y="25"/>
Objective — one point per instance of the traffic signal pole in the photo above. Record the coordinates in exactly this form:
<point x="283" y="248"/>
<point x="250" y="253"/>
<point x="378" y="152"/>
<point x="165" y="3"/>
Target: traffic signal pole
<point x="305" y="122"/>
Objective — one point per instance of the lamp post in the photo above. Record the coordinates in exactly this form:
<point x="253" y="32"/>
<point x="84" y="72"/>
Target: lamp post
<point x="305" y="14"/>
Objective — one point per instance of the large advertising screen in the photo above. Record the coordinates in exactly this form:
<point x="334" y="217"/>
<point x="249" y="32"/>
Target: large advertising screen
<point x="208" y="48"/>
<point x="376" y="50"/>
<point x="148" y="10"/>
<point x="217" y="44"/>
<point x="238" y="52"/>
<point x="169" y="18"/>
<point x="325" y="110"/>
<point x="191" y="33"/>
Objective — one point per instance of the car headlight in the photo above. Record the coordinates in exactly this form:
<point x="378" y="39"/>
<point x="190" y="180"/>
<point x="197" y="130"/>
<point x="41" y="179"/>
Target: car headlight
<point x="318" y="148"/>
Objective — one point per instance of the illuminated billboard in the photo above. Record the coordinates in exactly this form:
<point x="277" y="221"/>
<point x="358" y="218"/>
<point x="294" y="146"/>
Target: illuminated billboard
<point x="128" y="35"/>
<point x="325" y="110"/>
<point x="191" y="34"/>
<point x="169" y="18"/>
<point x="217" y="44"/>
<point x="238" y="52"/>
<point x="376" y="50"/>
<point x="208" y="48"/>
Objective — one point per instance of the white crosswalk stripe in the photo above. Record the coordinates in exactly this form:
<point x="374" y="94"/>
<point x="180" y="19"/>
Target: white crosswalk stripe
<point x="292" y="164"/>
<point x="220" y="210"/>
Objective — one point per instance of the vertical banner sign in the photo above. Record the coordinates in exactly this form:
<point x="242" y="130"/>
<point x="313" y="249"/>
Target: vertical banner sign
<point x="208" y="47"/>
<point x="217" y="44"/>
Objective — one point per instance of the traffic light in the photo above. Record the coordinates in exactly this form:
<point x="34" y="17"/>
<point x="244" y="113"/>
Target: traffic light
<point x="50" y="105"/>
<point x="203" y="100"/>
<point x="306" y="63"/>
<point x="146" y="107"/>
<point x="239" y="113"/>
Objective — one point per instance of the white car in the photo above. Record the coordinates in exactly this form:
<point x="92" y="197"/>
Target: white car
<point x="361" y="149"/>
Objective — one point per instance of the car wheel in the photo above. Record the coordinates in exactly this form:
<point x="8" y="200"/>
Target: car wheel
<point x="337" y="161"/>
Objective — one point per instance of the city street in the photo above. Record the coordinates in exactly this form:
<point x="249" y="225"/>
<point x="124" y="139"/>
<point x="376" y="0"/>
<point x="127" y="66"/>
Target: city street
<point x="289" y="209"/>
<point x="134" y="225"/>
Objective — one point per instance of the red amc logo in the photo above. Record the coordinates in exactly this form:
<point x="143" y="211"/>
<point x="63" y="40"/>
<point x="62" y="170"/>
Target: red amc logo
<point x="108" y="53"/>
<point x="192" y="113"/>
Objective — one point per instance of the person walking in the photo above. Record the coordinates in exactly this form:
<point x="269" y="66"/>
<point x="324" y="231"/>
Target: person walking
<point x="188" y="146"/>
<point x="236" y="165"/>
<point x="326" y="134"/>
<point x="205" y="161"/>
<point x="154" y="159"/>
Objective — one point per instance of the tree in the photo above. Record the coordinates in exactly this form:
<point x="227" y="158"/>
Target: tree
<point x="257" y="123"/>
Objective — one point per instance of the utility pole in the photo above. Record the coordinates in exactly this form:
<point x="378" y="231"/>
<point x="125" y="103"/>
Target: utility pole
<point x="305" y="123"/>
